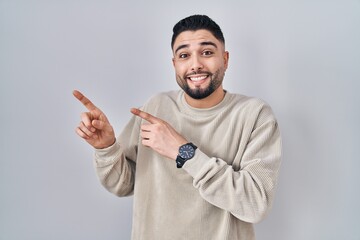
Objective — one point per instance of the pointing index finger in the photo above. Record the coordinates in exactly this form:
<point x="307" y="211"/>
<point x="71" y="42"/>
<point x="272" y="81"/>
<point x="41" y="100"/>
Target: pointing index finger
<point x="84" y="100"/>
<point x="146" y="116"/>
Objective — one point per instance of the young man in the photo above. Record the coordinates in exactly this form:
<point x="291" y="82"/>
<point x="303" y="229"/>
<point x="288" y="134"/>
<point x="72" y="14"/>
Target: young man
<point x="202" y="163"/>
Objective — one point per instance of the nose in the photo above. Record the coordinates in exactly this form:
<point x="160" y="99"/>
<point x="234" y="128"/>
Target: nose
<point x="196" y="63"/>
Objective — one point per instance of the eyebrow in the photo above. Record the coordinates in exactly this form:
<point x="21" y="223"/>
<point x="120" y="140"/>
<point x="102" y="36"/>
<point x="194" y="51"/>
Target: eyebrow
<point x="201" y="44"/>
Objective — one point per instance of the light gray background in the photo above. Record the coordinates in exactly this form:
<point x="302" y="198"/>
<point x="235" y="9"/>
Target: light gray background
<point x="302" y="57"/>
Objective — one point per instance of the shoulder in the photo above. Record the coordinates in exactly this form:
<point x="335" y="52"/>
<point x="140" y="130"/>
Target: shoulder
<point x="161" y="99"/>
<point x="244" y="101"/>
<point x="163" y="96"/>
<point x="251" y="106"/>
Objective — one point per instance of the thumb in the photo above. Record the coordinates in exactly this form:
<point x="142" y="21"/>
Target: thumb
<point x="101" y="125"/>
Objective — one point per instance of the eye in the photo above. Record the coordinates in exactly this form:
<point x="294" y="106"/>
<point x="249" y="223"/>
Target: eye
<point x="207" y="53"/>
<point x="183" y="55"/>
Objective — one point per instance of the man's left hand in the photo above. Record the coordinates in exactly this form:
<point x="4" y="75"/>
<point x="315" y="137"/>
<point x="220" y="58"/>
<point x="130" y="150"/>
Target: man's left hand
<point x="159" y="135"/>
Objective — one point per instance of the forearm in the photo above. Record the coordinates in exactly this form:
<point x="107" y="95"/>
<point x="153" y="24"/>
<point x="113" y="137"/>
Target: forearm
<point x="246" y="192"/>
<point x="115" y="172"/>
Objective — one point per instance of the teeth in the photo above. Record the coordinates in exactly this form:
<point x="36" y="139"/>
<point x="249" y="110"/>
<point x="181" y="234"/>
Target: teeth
<point x="195" y="79"/>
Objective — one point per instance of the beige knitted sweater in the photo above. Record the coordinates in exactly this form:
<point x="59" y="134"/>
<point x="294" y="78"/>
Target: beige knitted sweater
<point x="227" y="186"/>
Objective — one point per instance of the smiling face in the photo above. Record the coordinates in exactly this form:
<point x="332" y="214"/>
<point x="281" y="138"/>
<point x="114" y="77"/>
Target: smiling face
<point x="200" y="62"/>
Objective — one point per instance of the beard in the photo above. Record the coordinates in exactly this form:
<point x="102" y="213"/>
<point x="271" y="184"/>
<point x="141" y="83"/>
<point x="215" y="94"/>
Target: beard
<point x="216" y="80"/>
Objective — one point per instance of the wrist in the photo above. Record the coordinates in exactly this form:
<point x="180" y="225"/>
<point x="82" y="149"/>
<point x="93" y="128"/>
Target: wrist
<point x="106" y="145"/>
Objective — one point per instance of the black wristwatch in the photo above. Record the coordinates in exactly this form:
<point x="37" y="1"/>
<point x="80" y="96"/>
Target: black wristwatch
<point x="186" y="152"/>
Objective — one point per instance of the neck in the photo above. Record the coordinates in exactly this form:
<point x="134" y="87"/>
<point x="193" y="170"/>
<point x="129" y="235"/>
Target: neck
<point x="210" y="101"/>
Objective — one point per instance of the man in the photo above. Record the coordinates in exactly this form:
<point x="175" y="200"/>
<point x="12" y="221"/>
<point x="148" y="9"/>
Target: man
<point x="202" y="163"/>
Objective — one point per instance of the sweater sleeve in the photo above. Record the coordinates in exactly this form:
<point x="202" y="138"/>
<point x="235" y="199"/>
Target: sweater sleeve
<point x="246" y="193"/>
<point x="115" y="165"/>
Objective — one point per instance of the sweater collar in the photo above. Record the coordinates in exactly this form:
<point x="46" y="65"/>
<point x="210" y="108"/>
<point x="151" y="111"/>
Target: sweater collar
<point x="189" y="110"/>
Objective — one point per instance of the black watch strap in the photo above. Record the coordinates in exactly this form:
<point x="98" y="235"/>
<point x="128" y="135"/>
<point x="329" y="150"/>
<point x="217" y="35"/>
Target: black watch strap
<point x="180" y="162"/>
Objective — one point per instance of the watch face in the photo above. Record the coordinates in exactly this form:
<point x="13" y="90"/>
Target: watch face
<point x="186" y="151"/>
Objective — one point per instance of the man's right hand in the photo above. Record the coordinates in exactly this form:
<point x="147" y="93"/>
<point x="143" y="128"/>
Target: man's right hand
<point x="94" y="127"/>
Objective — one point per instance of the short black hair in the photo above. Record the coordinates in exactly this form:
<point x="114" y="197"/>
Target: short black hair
<point x="197" y="22"/>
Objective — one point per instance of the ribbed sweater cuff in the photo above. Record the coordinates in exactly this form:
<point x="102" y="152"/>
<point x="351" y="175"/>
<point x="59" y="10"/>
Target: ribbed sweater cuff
<point x="194" y="166"/>
<point x="106" y="155"/>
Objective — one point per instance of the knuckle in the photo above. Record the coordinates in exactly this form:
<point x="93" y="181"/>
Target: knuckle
<point x="157" y="127"/>
<point x="84" y="115"/>
<point x="85" y="118"/>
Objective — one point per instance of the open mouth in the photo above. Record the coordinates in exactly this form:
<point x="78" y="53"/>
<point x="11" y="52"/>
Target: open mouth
<point x="198" y="79"/>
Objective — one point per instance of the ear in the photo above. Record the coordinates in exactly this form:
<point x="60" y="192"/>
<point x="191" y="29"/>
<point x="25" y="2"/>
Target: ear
<point x="173" y="61"/>
<point x="226" y="59"/>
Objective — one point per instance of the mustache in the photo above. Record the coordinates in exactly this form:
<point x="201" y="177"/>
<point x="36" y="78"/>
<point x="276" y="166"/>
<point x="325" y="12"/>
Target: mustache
<point x="198" y="72"/>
